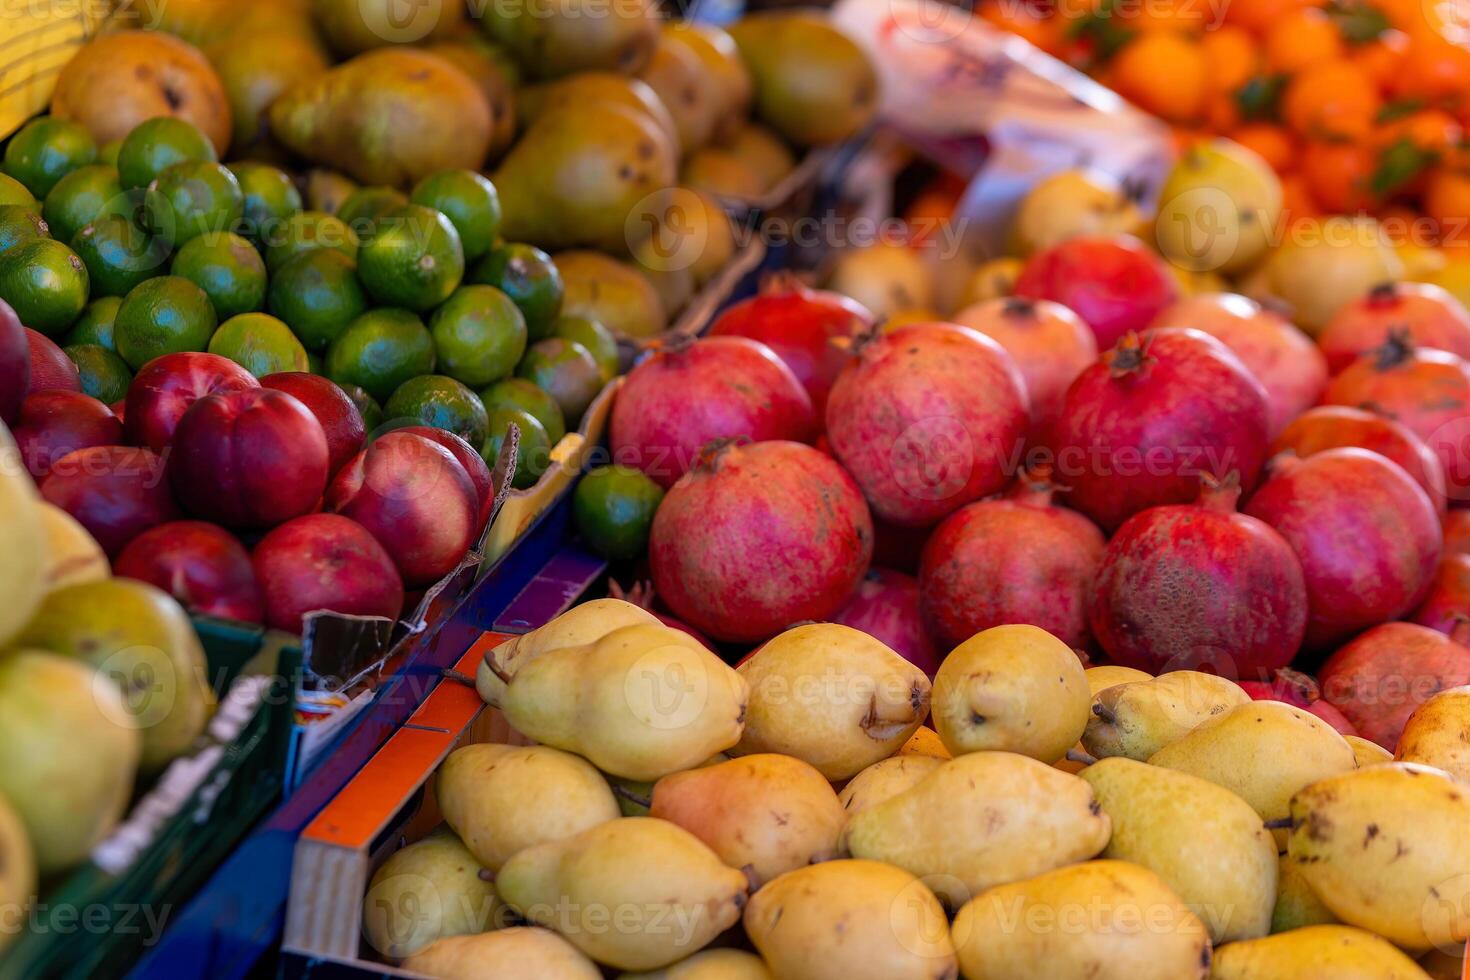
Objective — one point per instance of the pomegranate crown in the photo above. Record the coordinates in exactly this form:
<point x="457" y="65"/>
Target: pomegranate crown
<point x="1220" y="493"/>
<point x="1130" y="355"/>
<point x="709" y="457"/>
<point x="1395" y="350"/>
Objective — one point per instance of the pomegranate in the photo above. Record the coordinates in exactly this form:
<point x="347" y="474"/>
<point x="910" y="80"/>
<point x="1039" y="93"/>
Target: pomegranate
<point x="885" y="606"/>
<point x="166" y="386"/>
<point x="1282" y="358"/>
<point x="928" y="418"/>
<point x="201" y="565"/>
<point x="15" y="364"/>
<point x="474" y="465"/>
<point x="1114" y="284"/>
<point x="54" y="423"/>
<point x="1337" y="427"/>
<point x="325" y="562"/>
<point x="1159" y="411"/>
<point x="1379" y="678"/>
<point x="1448" y="601"/>
<point x="691" y="393"/>
<point x="1016" y="559"/>
<point x="341" y="421"/>
<point x="51" y="369"/>
<point x="115" y="492"/>
<point x="1295" y="688"/>
<point x="1429" y="315"/>
<point x="1049" y="343"/>
<point x="798" y="323"/>
<point x="1366" y="534"/>
<point x="1457" y="532"/>
<point x="755" y="538"/>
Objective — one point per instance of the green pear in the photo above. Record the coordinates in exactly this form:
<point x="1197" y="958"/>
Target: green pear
<point x="833" y="697"/>
<point x="17" y="874"/>
<point x="587" y="87"/>
<point x="1137" y="719"/>
<point x="552" y="39"/>
<point x="762" y="152"/>
<point x="678" y="76"/>
<point x="1385" y="849"/>
<point x="1011" y="689"/>
<point x="859" y="920"/>
<point x="711" y="964"/>
<point x="981" y="820"/>
<point x="642" y="702"/>
<point x="884" y="780"/>
<point x="23" y="550"/>
<point x="425" y="892"/>
<point x="1218" y="208"/>
<point x="522" y="951"/>
<point x="686" y="229"/>
<point x="1438" y="733"/>
<point x="68" y="754"/>
<point x="354" y="26"/>
<point x="614" y="293"/>
<point x="501" y="798"/>
<point x="1206" y="842"/>
<point x="1315" y="953"/>
<point x="1296" y="904"/>
<point x="1367" y="753"/>
<point x="722" y="66"/>
<point x="1031" y="930"/>
<point x="634" y="893"/>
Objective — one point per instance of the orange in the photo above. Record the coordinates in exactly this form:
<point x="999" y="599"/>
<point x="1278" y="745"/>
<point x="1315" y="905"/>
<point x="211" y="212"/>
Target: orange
<point x="1302" y="39"/>
<point x="1222" y="113"/>
<point x="1434" y="71"/>
<point x="1431" y="130"/>
<point x="1259" y="16"/>
<point x="1382" y="58"/>
<point x="1231" y="57"/>
<point x="1164" y="74"/>
<point x="1334" y="100"/>
<point x="1189" y="16"/>
<point x="1297" y="203"/>
<point x="1447" y="200"/>
<point x="1339" y="175"/>
<point x="1272" y="142"/>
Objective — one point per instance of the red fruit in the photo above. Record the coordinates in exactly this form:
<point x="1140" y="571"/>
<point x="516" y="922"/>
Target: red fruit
<point x="885" y="606"/>
<point x="1020" y="559"/>
<point x="1336" y="427"/>
<point x="1429" y="315"/>
<point x="166" y="386"/>
<point x="928" y="418"/>
<point x="798" y="324"/>
<point x="201" y="565"/>
<point x="414" y="497"/>
<point x="1114" y="284"/>
<point x="1457" y="532"/>
<point x="1049" y="343"/>
<point x="1379" y="678"/>
<point x="115" y="492"/>
<point x="690" y="394"/>
<point x="1448" y="602"/>
<point x="1282" y="358"/>
<point x="1142" y="426"/>
<point x="325" y="562"/>
<point x="755" y="538"/>
<point x="474" y="466"/>
<point x="1298" y="689"/>
<point x="15" y="364"/>
<point x="51" y="369"/>
<point x="340" y="419"/>
<point x="1366" y="534"/>
<point x="54" y="423"/>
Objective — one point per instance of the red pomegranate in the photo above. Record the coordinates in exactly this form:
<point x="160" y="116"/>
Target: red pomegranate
<point x="691" y="393"/>
<point x="474" y="465"/>
<point x="798" y="323"/>
<point x="1379" y="678"/>
<point x="885" y="606"/>
<point x="928" y="418"/>
<point x="755" y="538"/>
<point x="1049" y="343"/>
<point x="1429" y="315"/>
<point x="54" y="423"/>
<point x="1448" y="602"/>
<point x="1457" y="532"/>
<point x="1295" y="688"/>
<point x="1366" y="534"/>
<point x="1016" y="559"/>
<point x="1158" y="412"/>
<point x="166" y="386"/>
<point x="1282" y="358"/>
<point x="325" y="562"/>
<point x="115" y="492"/>
<point x="201" y="565"/>
<point x="1339" y="427"/>
<point x="15" y="364"/>
<point x="1114" y="284"/>
<point x="51" y="369"/>
<point x="340" y="419"/>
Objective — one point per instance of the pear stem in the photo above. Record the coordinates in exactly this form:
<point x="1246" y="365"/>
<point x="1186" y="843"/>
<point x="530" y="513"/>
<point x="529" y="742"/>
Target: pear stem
<point x="1105" y="713"/>
<point x="457" y="677"/>
<point x="486" y="874"/>
<point x="631" y="796"/>
<point x="1280" y="823"/>
<point x="1077" y="755"/>
<point x="497" y="670"/>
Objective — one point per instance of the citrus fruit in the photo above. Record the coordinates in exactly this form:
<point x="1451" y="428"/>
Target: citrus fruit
<point x="442" y="402"/>
<point x="18" y="224"/>
<point x="366" y="205"/>
<point x="104" y="375"/>
<point x="367" y="406"/>
<point x="228" y="269"/>
<point x="412" y="259"/>
<point x="119" y="255"/>
<point x="80" y="197"/>
<point x="259" y="343"/>
<point x="270" y="198"/>
<point x="157" y="144"/>
<point x="529" y="277"/>
<point x="522" y="394"/>
<point x="380" y="350"/>
<point x="535" y="445"/>
<point x="94" y="326"/>
<point x="566" y="371"/>
<point x="45" y="283"/>
<point x="469" y="201"/>
<point x="164" y="315"/>
<point x="304" y="231"/>
<point x="107" y="152"/>
<point x="46" y="150"/>
<point x="479" y="334"/>
<point x="317" y="294"/>
<point x="13" y="191"/>
<point x="614" y="507"/>
<point x="598" y="340"/>
<point x="193" y="198"/>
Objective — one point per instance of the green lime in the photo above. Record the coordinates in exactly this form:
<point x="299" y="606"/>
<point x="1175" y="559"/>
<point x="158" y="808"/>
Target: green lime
<point x="522" y="394"/>
<point x="270" y="198"/>
<point x="380" y="350"/>
<point x="46" y="150"/>
<point x="18" y="224"/>
<point x="442" y="402"/>
<point x="104" y="375"/>
<point x="79" y="197"/>
<point x="529" y="277"/>
<point x="94" y="326"/>
<point x="317" y="294"/>
<point x="165" y="315"/>
<point x="13" y="191"/>
<point x="119" y="255"/>
<point x="45" y="283"/>
<point x="479" y="334"/>
<point x="305" y="231"/>
<point x="107" y="152"/>
<point x="614" y="507"/>
<point x="367" y="407"/>
<point x="228" y="269"/>
<point x="157" y="144"/>
<point x="535" y="445"/>
<point x="259" y="343"/>
<point x="566" y="371"/>
<point x="598" y="340"/>
<point x="413" y="259"/>
<point x="193" y="198"/>
<point x="366" y="205"/>
<point x="469" y="201"/>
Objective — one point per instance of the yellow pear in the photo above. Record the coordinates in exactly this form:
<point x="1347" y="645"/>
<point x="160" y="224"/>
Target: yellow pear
<point x="1205" y="841"/>
<point x="1104" y="920"/>
<point x="762" y="151"/>
<point x="635" y="893"/>
<point x="1367" y="753"/>
<point x="1099" y="679"/>
<point x="1011" y="689"/>
<point x="523" y="951"/>
<point x="725" y="73"/>
<point x="23" y="548"/>
<point x="886" y="277"/>
<point x="501" y="799"/>
<point x="711" y="964"/>
<point x="1071" y="204"/>
<point x="1137" y="719"/>
<point x="73" y="555"/>
<point x="1218" y="208"/>
<point x="885" y="779"/>
<point x="856" y="920"/>
<point x="1438" y="733"/>
<point x="1315" y="953"/>
<point x="926" y="741"/>
<point x="1296" y="904"/>
<point x="984" y="819"/>
<point x="17" y="875"/>
<point x="425" y="892"/>
<point x="1341" y="259"/>
<point x="995" y="279"/>
<point x="833" y="697"/>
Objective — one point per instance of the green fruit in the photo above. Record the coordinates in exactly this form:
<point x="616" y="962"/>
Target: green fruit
<point x="46" y="150"/>
<point x="13" y="191"/>
<point x="94" y="326"/>
<point x="614" y="508"/>
<point x="366" y="205"/>
<point x="367" y="407"/>
<point x="306" y="231"/>
<point x="535" y="445"/>
<point x="566" y="371"/>
<point x="260" y="344"/>
<point x="479" y="334"/>
<point x="270" y="199"/>
<point x="119" y="255"/>
<point x="318" y="295"/>
<point x="165" y="315"/>
<point x="598" y="340"/>
<point x="104" y="375"/>
<point x="413" y="259"/>
<point x="529" y="277"/>
<point x="46" y="283"/>
<point x="228" y="269"/>
<point x="107" y="152"/>
<point x="442" y="402"/>
<point x="192" y="199"/>
<point x="157" y="144"/>
<point x="78" y="198"/>
<point x="18" y="224"/>
<point x="380" y="350"/>
<point x="470" y="202"/>
<point x="522" y="394"/>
